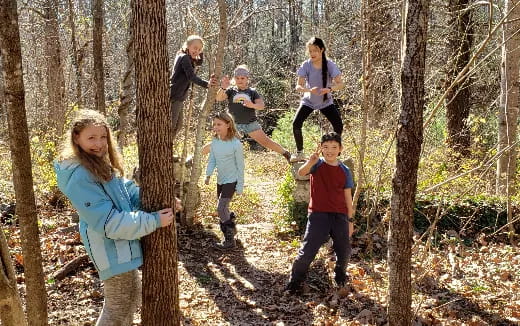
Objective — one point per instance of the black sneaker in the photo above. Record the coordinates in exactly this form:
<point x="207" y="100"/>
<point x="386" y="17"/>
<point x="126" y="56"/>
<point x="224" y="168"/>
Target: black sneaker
<point x="294" y="288"/>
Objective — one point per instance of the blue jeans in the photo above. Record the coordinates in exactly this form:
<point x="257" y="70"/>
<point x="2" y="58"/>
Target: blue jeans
<point x="319" y="227"/>
<point x="246" y="128"/>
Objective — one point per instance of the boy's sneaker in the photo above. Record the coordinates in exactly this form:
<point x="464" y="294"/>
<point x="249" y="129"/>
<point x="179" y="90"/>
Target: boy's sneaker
<point x="294" y="288"/>
<point x="297" y="157"/>
<point x="287" y="156"/>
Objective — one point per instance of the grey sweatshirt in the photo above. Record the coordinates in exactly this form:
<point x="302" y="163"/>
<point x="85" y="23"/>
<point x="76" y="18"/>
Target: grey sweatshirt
<point x="183" y="74"/>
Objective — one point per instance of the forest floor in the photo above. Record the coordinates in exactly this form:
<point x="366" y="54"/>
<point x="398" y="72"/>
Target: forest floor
<point x="453" y="284"/>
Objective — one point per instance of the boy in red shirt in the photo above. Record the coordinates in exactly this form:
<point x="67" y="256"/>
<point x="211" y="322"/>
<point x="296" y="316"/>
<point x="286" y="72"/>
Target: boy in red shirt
<point x="330" y="211"/>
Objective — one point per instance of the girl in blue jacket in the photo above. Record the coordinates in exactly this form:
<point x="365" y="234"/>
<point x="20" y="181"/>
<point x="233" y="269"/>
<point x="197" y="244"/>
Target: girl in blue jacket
<point x="89" y="172"/>
<point x="183" y="74"/>
<point x="226" y="154"/>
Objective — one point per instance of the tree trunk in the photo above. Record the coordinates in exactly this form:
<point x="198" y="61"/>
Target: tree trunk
<point x="97" y="55"/>
<point x="55" y="75"/>
<point x="508" y="113"/>
<point x="404" y="182"/>
<point x="155" y="146"/>
<point x="36" y="298"/>
<point x="191" y="193"/>
<point x="76" y="62"/>
<point x="125" y="88"/>
<point x="11" y="309"/>
<point x="381" y="54"/>
<point x="460" y="40"/>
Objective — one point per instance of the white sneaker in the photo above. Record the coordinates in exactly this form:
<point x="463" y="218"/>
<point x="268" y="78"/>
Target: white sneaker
<point x="298" y="157"/>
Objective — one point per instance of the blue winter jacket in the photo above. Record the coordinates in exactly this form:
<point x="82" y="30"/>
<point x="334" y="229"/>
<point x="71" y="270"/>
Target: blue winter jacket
<point x="110" y="223"/>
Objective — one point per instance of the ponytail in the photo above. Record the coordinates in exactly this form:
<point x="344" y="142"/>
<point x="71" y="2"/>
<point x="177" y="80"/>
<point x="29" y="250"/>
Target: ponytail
<point x="324" y="73"/>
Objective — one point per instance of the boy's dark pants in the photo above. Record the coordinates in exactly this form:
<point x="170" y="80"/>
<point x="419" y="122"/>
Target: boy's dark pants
<point x="319" y="227"/>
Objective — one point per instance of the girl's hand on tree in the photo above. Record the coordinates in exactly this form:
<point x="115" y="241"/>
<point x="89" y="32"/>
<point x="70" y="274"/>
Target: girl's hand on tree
<point x="213" y="80"/>
<point x="166" y="216"/>
<point x="224" y="82"/>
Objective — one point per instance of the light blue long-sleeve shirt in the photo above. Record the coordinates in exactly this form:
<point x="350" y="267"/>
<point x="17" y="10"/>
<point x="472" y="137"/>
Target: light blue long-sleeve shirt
<point x="228" y="157"/>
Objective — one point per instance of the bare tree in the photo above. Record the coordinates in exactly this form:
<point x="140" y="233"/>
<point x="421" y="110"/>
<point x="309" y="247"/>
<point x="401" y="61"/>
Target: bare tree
<point x="97" y="50"/>
<point x="11" y="53"/>
<point x="409" y="142"/>
<point x="460" y="40"/>
<point x="55" y="75"/>
<point x="125" y="87"/>
<point x="155" y="146"/>
<point x="191" y="193"/>
<point x="76" y="58"/>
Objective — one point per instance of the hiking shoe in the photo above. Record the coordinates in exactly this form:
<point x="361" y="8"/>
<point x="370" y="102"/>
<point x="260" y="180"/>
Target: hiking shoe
<point x="298" y="157"/>
<point x="229" y="230"/>
<point x="294" y="288"/>
<point x="287" y="156"/>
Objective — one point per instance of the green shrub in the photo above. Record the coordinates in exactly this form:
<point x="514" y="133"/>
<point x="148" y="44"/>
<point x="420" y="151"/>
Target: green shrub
<point x="295" y="213"/>
<point x="283" y="134"/>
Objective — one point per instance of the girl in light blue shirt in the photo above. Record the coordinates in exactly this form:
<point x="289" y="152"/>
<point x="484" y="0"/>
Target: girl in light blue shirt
<point x="227" y="156"/>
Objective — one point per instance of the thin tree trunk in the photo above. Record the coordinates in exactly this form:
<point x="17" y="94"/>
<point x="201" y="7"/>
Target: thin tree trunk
<point x="460" y="40"/>
<point x="76" y="61"/>
<point x="155" y="146"/>
<point x="404" y="182"/>
<point x="97" y="56"/>
<point x="208" y="103"/>
<point x="55" y="74"/>
<point x="508" y="113"/>
<point x="11" y="309"/>
<point x="36" y="298"/>
<point x="125" y="88"/>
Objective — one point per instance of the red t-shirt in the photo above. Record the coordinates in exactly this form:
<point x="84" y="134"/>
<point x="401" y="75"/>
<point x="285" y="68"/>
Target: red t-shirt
<point x="328" y="184"/>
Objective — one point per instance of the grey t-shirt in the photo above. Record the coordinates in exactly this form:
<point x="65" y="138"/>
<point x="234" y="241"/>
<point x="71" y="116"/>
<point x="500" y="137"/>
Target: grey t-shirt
<point x="236" y="97"/>
<point x="313" y="79"/>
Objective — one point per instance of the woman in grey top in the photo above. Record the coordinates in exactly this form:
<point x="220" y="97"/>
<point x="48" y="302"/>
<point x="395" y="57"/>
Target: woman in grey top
<point x="189" y="56"/>
<point x="317" y="78"/>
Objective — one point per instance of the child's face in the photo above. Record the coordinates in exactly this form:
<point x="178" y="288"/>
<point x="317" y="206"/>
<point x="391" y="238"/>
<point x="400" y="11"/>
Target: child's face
<point x="314" y="52"/>
<point x="242" y="82"/>
<point x="220" y="127"/>
<point x="330" y="150"/>
<point x="195" y="48"/>
<point x="93" y="140"/>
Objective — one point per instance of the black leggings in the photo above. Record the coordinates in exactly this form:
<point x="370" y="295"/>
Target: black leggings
<point x="331" y="112"/>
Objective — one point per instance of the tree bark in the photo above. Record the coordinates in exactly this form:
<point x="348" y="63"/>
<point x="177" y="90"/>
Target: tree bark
<point x="155" y="146"/>
<point x="55" y="75"/>
<point x="36" y="298"/>
<point x="11" y="309"/>
<point x="76" y="59"/>
<point x="191" y="193"/>
<point x="404" y="182"/>
<point x="508" y="113"/>
<point x="97" y="55"/>
<point x="460" y="40"/>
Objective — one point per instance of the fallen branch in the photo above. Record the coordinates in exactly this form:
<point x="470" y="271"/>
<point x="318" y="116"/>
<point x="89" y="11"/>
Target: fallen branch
<point x="71" y="267"/>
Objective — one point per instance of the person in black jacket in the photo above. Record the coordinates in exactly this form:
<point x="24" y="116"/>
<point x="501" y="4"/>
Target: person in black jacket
<point x="188" y="57"/>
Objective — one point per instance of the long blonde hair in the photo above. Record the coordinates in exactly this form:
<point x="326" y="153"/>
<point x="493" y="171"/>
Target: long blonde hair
<point x="227" y="118"/>
<point x="102" y="168"/>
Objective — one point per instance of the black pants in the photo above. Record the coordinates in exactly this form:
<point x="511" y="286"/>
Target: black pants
<point x="331" y="112"/>
<point x="319" y="227"/>
<point x="177" y="116"/>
